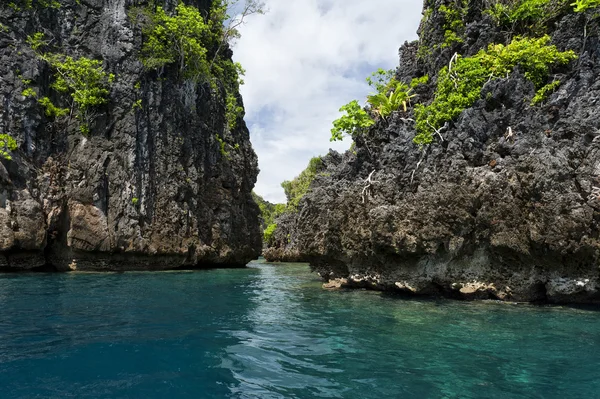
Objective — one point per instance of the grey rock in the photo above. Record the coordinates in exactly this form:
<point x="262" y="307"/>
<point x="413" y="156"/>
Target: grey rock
<point x="147" y="188"/>
<point x="480" y="215"/>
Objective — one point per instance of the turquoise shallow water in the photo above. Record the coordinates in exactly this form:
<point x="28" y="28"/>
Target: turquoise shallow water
<point x="272" y="332"/>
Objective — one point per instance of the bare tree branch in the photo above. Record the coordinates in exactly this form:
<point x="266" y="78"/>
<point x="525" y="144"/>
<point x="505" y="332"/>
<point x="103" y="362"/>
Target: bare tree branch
<point x="367" y="188"/>
<point x="230" y="31"/>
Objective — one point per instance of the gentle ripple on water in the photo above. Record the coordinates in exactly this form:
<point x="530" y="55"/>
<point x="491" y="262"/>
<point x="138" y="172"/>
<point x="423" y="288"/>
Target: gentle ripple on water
<point x="271" y="332"/>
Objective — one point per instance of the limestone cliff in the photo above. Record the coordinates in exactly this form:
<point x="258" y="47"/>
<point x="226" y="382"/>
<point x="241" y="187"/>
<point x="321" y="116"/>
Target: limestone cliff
<point x="503" y="204"/>
<point x="156" y="178"/>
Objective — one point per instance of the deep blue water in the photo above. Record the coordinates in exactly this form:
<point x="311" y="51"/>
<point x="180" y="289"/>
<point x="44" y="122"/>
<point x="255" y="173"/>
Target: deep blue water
<point x="272" y="332"/>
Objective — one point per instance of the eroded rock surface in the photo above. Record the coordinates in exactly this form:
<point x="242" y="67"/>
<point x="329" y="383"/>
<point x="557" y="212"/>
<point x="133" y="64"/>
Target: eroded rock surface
<point x="148" y="187"/>
<point x="483" y="214"/>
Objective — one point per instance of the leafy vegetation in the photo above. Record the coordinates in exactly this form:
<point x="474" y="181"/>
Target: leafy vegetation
<point x="454" y="25"/>
<point x="29" y="92"/>
<point x="268" y="233"/>
<point x="19" y="5"/>
<point x="384" y="104"/>
<point x="584" y="5"/>
<point x="194" y="43"/>
<point x="175" y="39"/>
<point x="7" y="144"/>
<point x="298" y="187"/>
<point x="423" y="80"/>
<point x="543" y="92"/>
<point x="222" y="146"/>
<point x="390" y="96"/>
<point x="354" y="122"/>
<point x="84" y="80"/>
<point x="269" y="213"/>
<point x="459" y="85"/>
<point x="51" y="110"/>
<point x="268" y="210"/>
<point x="533" y="16"/>
<point x="382" y="80"/>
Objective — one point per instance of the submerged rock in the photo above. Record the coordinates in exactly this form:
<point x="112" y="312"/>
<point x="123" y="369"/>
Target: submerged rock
<point x="159" y="182"/>
<point x="506" y="206"/>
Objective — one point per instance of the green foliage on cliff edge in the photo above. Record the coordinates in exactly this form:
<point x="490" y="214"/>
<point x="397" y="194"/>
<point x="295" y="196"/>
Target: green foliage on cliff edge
<point x="174" y="39"/>
<point x="294" y="191"/>
<point x="269" y="213"/>
<point x="7" y="144"/>
<point x="19" y="5"/>
<point x="82" y="79"/>
<point x="584" y="5"/>
<point x="391" y="96"/>
<point x="298" y="187"/>
<point x="194" y="43"/>
<point x="268" y="233"/>
<point x="533" y="16"/>
<point x="459" y="84"/>
<point x="354" y="121"/>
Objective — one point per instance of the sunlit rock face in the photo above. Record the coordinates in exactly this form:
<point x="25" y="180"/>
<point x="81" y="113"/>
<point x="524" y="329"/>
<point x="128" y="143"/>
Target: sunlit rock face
<point x="506" y="206"/>
<point x="148" y="187"/>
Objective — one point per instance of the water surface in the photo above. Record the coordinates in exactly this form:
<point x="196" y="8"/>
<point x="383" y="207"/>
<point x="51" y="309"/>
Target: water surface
<point x="271" y="332"/>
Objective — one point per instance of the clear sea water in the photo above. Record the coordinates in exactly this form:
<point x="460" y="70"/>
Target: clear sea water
<point x="272" y="332"/>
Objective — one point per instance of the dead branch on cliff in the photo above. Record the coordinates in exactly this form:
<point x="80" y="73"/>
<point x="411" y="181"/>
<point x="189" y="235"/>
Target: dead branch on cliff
<point x="367" y="188"/>
<point x="439" y="131"/>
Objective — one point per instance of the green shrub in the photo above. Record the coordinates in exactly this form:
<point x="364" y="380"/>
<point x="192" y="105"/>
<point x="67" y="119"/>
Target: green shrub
<point x="384" y="104"/>
<point x="530" y="16"/>
<point x="268" y="210"/>
<point x="7" y="144"/>
<point x="222" y="146"/>
<point x="30" y="4"/>
<point x="454" y="25"/>
<point x="423" y="80"/>
<point x="298" y="187"/>
<point x="459" y="87"/>
<point x="83" y="79"/>
<point x="37" y="41"/>
<point x="29" y="92"/>
<point x="233" y="110"/>
<point x="529" y="10"/>
<point x="51" y="110"/>
<point x="543" y="92"/>
<point x="354" y="122"/>
<point x="178" y="39"/>
<point x="192" y="43"/>
<point x="584" y="5"/>
<point x="268" y="233"/>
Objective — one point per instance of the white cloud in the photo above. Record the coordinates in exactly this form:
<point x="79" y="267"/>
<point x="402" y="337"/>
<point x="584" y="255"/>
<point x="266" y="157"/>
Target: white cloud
<point x="304" y="59"/>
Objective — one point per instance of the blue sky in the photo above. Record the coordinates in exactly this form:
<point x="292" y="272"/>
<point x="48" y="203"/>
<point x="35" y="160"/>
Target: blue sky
<point x="304" y="59"/>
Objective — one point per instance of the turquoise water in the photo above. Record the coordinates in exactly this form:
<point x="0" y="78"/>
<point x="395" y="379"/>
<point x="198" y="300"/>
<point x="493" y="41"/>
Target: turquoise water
<point x="272" y="332"/>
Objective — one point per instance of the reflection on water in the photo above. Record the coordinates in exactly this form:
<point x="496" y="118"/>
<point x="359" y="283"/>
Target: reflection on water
<point x="271" y="332"/>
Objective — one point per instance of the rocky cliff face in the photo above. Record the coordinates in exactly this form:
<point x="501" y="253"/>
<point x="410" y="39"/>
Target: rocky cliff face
<point x="507" y="206"/>
<point x="158" y="182"/>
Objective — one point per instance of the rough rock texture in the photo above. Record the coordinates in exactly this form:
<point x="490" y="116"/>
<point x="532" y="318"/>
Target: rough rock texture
<point x="148" y="187"/>
<point x="281" y="248"/>
<point x="480" y="215"/>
